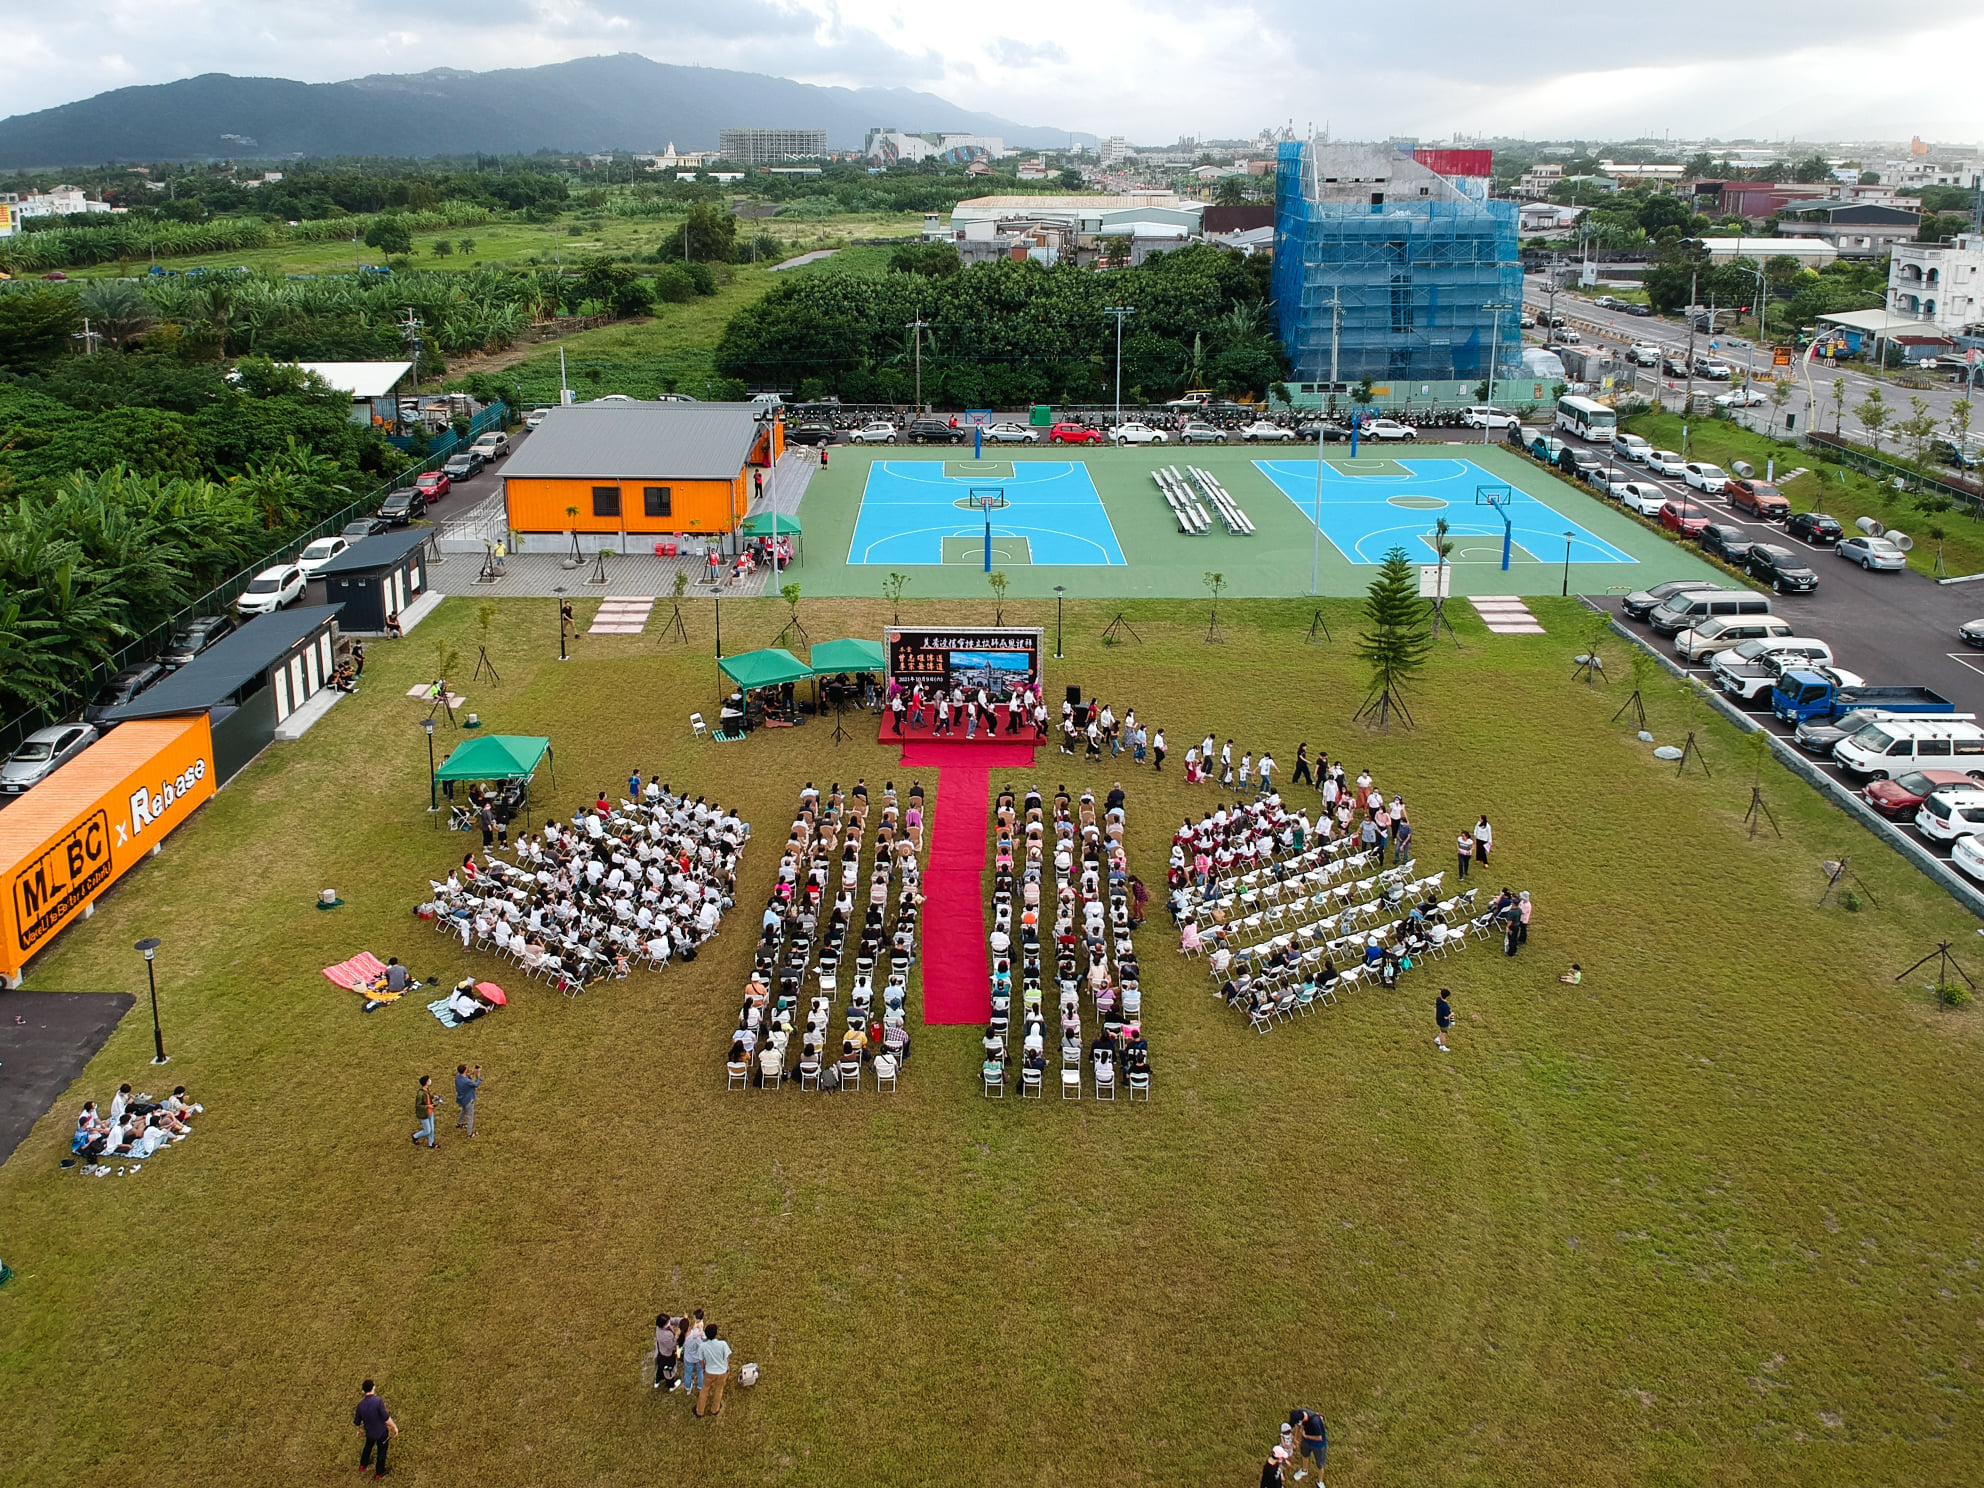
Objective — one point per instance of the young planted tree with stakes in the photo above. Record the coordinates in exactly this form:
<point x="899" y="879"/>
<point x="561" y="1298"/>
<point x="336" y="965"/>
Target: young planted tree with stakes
<point x="1443" y="547"/>
<point x="1214" y="582"/>
<point x="485" y="621"/>
<point x="892" y="588"/>
<point x="999" y="583"/>
<point x="1758" y="814"/>
<point x="1643" y="668"/>
<point x="1692" y="693"/>
<point x="790" y="594"/>
<point x="675" y="627"/>
<point x="447" y="660"/>
<point x="1396" y="643"/>
<point x="1590" y="664"/>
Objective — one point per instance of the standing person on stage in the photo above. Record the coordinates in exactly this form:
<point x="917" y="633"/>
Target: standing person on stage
<point x="378" y="1426"/>
<point x="1302" y="775"/>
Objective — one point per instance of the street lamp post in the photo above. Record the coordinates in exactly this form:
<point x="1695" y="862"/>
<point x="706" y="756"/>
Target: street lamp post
<point x="1567" y="563"/>
<point x="150" y="946"/>
<point x="1119" y="311"/>
<point x="1497" y="308"/>
<point x="433" y="786"/>
<point x="1059" y="591"/>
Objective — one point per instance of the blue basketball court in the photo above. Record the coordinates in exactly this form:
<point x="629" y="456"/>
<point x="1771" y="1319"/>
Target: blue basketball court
<point x="1370" y="506"/>
<point x="929" y="512"/>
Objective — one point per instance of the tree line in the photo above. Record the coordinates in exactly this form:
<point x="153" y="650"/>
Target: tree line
<point x="1008" y="334"/>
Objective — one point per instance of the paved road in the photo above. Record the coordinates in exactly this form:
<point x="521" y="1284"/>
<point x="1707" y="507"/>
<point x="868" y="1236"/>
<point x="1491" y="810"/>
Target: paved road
<point x="1618" y="330"/>
<point x="1893" y="628"/>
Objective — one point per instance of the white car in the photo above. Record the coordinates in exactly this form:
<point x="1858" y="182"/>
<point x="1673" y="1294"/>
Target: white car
<point x="1631" y="446"/>
<point x="1967" y="856"/>
<point x="1643" y="354"/>
<point x="1483" y="417"/>
<point x="1745" y="396"/>
<point x="320" y="552"/>
<point x="1704" y="476"/>
<point x="492" y="446"/>
<point x="1011" y="433"/>
<point x="1665" y="462"/>
<point x="1389" y="429"/>
<point x="1950" y="813"/>
<point x="1872" y="553"/>
<point x="270" y="590"/>
<point x="1261" y="430"/>
<point x="879" y="432"/>
<point x="1639" y="497"/>
<point x="535" y="417"/>
<point x="1134" y="433"/>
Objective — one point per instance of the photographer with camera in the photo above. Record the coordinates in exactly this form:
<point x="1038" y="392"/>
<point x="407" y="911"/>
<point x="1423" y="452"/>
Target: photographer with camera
<point x="468" y="1081"/>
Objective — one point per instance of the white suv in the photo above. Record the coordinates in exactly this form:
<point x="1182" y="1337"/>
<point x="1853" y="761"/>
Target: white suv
<point x="1483" y="417"/>
<point x="270" y="590"/>
<point x="1704" y="476"/>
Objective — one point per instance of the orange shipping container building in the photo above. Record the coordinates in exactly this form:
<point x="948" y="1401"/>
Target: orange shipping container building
<point x="631" y="476"/>
<point x="91" y="822"/>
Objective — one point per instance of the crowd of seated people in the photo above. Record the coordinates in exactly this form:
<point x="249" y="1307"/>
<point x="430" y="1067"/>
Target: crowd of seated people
<point x="819" y="907"/>
<point x="134" y="1128"/>
<point x="1077" y="920"/>
<point x="646" y="881"/>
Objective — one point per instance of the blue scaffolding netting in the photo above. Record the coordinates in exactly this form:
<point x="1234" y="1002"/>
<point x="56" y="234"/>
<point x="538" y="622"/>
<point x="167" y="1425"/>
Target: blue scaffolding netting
<point x="1404" y="284"/>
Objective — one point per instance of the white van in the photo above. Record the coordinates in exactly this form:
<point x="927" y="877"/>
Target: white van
<point x="1720" y="632"/>
<point x="1895" y="746"/>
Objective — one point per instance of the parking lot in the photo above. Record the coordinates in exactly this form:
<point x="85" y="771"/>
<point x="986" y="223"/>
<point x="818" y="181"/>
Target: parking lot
<point x="1892" y="628"/>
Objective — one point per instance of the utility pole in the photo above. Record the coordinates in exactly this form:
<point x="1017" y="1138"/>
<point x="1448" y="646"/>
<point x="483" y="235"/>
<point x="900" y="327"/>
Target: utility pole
<point x="1688" y="397"/>
<point x="1496" y="308"/>
<point x="1119" y="311"/>
<point x="917" y="326"/>
<point x="1335" y="304"/>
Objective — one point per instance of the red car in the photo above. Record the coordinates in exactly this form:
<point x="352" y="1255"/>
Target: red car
<point x="434" y="485"/>
<point x="1073" y="434"/>
<point x="1901" y="796"/>
<point x="1685" y="517"/>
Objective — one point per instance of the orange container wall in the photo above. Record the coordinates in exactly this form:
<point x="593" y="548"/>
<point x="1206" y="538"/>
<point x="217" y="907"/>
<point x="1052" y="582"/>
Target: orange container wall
<point x="92" y="821"/>
<point x="539" y="505"/>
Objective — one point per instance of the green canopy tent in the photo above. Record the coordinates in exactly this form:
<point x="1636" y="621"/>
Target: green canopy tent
<point x="498" y="757"/>
<point x="751" y="670"/>
<point x="848" y="655"/>
<point x="833" y="658"/>
<point x="775" y="525"/>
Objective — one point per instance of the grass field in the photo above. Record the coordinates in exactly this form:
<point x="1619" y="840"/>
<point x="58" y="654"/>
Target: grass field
<point x="517" y="243"/>
<point x="1709" y="1218"/>
<point x="1276" y="559"/>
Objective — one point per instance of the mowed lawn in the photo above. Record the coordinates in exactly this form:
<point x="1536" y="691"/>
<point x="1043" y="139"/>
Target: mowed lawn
<point x="1709" y="1218"/>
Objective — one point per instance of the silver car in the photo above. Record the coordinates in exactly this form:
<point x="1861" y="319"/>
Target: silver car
<point x="879" y="432"/>
<point x="42" y="753"/>
<point x="1872" y="553"/>
<point x="1011" y="433"/>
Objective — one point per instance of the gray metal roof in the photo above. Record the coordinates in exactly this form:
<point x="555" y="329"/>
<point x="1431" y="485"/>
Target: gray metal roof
<point x="380" y="551"/>
<point x="214" y="675"/>
<point x="616" y="441"/>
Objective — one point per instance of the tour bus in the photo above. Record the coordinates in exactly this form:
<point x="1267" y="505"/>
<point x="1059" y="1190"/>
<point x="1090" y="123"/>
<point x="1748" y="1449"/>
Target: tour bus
<point x="1586" y="419"/>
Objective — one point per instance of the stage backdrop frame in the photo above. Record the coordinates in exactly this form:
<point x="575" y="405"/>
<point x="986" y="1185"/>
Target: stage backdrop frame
<point x="931" y="654"/>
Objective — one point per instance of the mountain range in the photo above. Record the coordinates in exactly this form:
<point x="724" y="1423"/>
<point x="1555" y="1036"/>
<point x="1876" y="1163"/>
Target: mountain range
<point x="622" y="102"/>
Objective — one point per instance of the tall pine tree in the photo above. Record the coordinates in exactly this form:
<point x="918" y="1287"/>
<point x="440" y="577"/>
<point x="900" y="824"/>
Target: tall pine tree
<point x="1395" y="644"/>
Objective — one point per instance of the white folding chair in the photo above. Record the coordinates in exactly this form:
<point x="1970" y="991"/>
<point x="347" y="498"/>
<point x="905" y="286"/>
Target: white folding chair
<point x="737" y="1076"/>
<point x="1139" y="1083"/>
<point x="697" y="728"/>
<point x="1105" y="1083"/>
<point x="1071" y="1083"/>
<point x="995" y="1085"/>
<point x="1030" y="1083"/>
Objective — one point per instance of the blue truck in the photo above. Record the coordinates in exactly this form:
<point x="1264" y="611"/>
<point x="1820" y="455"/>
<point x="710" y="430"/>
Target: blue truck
<point x="1803" y="696"/>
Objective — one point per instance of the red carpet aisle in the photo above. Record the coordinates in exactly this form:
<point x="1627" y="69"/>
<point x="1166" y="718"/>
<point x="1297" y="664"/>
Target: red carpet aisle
<point x="956" y="981"/>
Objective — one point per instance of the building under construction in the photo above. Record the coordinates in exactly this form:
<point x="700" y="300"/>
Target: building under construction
<point x="1393" y="265"/>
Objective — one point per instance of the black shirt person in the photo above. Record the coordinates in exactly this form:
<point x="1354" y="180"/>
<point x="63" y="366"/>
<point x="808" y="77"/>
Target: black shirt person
<point x="376" y="1422"/>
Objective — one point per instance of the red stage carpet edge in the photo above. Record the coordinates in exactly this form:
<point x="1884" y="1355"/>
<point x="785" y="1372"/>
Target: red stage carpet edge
<point x="956" y="985"/>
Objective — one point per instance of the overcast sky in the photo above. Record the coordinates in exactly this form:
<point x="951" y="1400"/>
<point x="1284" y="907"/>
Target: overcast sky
<point x="1148" y="69"/>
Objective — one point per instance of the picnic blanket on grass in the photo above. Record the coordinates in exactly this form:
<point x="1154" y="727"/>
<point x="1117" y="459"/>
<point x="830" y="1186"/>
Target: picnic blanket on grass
<point x="445" y="1013"/>
<point x="357" y="974"/>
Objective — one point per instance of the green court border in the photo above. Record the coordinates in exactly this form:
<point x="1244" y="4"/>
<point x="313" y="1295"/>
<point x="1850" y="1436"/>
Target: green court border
<point x="1161" y="562"/>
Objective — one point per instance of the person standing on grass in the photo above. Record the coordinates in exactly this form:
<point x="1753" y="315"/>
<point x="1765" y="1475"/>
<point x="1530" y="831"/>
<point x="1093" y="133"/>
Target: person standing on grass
<point x="1302" y="775"/>
<point x="1271" y="1470"/>
<point x="692" y="1353"/>
<point x="1443" y="1017"/>
<point x="423" y="1111"/>
<point x="377" y="1425"/>
<point x="1157" y="750"/>
<point x="1401" y="837"/>
<point x="1465" y="846"/>
<point x="1312" y="1439"/>
<point x="467" y="1083"/>
<point x="716" y="1373"/>
<point x="1266" y="769"/>
<point x="1484" y="838"/>
<point x="664" y="1351"/>
<point x="1522" y="918"/>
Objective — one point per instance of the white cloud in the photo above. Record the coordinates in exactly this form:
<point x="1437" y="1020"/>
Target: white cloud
<point x="1150" y="69"/>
